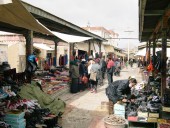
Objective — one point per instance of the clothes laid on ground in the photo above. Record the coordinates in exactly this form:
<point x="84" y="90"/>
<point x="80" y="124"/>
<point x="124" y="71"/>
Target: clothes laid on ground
<point x="33" y="92"/>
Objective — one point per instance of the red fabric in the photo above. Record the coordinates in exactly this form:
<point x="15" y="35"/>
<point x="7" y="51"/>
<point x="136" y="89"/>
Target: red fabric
<point x="150" y="67"/>
<point x="110" y="64"/>
<point x="84" y="79"/>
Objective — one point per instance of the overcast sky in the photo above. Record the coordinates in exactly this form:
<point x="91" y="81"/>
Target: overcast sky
<point x="118" y="15"/>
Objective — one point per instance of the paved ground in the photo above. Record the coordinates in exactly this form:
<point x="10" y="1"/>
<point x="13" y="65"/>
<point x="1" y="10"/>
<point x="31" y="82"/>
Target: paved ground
<point x="86" y="109"/>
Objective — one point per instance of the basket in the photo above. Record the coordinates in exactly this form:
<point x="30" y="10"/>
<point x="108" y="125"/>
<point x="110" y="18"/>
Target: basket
<point x="110" y="125"/>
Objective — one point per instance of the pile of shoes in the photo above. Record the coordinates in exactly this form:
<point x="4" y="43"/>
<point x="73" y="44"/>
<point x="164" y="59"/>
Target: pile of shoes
<point x="143" y="107"/>
<point x="166" y="100"/>
<point x="2" y="109"/>
<point x="4" y="125"/>
<point x="41" y="117"/>
<point x="154" y="103"/>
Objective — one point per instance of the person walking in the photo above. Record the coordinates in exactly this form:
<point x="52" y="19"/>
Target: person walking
<point x="116" y="91"/>
<point x="103" y="66"/>
<point x="117" y="68"/>
<point x="110" y="70"/>
<point x="89" y="66"/>
<point x="95" y="69"/>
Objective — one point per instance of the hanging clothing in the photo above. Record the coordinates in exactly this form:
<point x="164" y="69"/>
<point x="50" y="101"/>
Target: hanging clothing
<point x="66" y="59"/>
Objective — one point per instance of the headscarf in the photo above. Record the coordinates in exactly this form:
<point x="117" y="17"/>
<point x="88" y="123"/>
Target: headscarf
<point x="97" y="60"/>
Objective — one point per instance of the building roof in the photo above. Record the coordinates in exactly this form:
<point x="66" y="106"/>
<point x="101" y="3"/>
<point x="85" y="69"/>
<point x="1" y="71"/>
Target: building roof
<point x="151" y="13"/>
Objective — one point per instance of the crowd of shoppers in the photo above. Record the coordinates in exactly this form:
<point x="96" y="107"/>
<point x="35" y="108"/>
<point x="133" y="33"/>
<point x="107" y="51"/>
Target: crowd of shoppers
<point x="90" y="74"/>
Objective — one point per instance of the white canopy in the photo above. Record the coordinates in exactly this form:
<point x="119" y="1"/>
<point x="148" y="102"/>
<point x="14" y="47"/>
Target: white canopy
<point x="42" y="46"/>
<point x="5" y="1"/>
<point x="14" y="13"/>
<point x="142" y="52"/>
<point x="70" y="38"/>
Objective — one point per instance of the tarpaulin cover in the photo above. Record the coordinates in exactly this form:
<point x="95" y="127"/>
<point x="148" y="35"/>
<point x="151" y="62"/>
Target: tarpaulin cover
<point x="16" y="14"/>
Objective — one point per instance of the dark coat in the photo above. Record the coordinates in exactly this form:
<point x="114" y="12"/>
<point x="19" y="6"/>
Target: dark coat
<point x="82" y="69"/>
<point x="117" y="89"/>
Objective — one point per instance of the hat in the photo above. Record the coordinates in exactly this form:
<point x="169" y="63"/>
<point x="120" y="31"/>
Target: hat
<point x="83" y="60"/>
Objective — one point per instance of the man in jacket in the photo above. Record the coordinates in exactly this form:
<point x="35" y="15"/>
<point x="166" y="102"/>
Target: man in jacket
<point x="110" y="70"/>
<point x="103" y="66"/>
<point x="116" y="91"/>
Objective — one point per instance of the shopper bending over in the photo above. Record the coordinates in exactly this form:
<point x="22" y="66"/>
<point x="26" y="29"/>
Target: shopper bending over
<point x="116" y="91"/>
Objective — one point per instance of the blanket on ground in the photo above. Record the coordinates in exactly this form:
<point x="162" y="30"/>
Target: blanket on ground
<point x="33" y="92"/>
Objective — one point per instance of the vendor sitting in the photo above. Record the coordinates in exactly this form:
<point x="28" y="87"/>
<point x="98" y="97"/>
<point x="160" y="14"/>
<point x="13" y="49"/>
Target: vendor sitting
<point x="46" y="66"/>
<point x="117" y="90"/>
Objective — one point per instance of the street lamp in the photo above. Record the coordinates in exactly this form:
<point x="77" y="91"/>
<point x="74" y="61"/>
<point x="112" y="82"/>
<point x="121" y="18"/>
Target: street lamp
<point x="128" y="42"/>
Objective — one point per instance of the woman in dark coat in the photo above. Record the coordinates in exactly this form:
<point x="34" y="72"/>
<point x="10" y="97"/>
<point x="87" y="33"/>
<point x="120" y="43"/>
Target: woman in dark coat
<point x="74" y="73"/>
<point x="83" y="72"/>
<point x="116" y="91"/>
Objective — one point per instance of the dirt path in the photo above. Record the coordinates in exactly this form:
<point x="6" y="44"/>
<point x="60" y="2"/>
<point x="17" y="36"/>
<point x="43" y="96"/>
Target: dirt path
<point x="86" y="109"/>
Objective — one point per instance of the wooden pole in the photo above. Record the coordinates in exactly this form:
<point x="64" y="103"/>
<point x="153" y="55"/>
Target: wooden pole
<point x="163" y="54"/>
<point x="29" y="50"/>
<point x="55" y="53"/>
<point x="149" y="51"/>
<point x="146" y="59"/>
<point x="89" y="48"/>
<point x="100" y="45"/>
<point x="29" y="43"/>
<point x="154" y="62"/>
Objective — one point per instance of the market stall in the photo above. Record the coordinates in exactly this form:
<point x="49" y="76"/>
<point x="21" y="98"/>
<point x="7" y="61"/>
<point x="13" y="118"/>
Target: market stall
<point x="30" y="104"/>
<point x="158" y="79"/>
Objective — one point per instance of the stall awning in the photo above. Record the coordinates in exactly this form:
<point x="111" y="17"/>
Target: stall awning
<point x="109" y="48"/>
<point x="70" y="38"/>
<point x="82" y="46"/>
<point x="119" y="54"/>
<point x="42" y="46"/>
<point x="142" y="52"/>
<point x="16" y="14"/>
<point x="5" y="1"/>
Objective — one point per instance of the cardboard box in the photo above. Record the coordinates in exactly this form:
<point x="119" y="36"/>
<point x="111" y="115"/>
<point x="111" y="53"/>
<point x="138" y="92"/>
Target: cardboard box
<point x="163" y="121"/>
<point x="13" y="122"/>
<point x="142" y="119"/>
<point x="142" y="114"/>
<point x="165" y="109"/>
<point x="154" y="115"/>
<point x="163" y="125"/>
<point x="132" y="118"/>
<point x="119" y="112"/>
<point x="119" y="107"/>
<point x="15" y="115"/>
<point x="150" y="119"/>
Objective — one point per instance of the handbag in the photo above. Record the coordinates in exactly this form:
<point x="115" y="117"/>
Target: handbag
<point x="84" y="79"/>
<point x="93" y="76"/>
